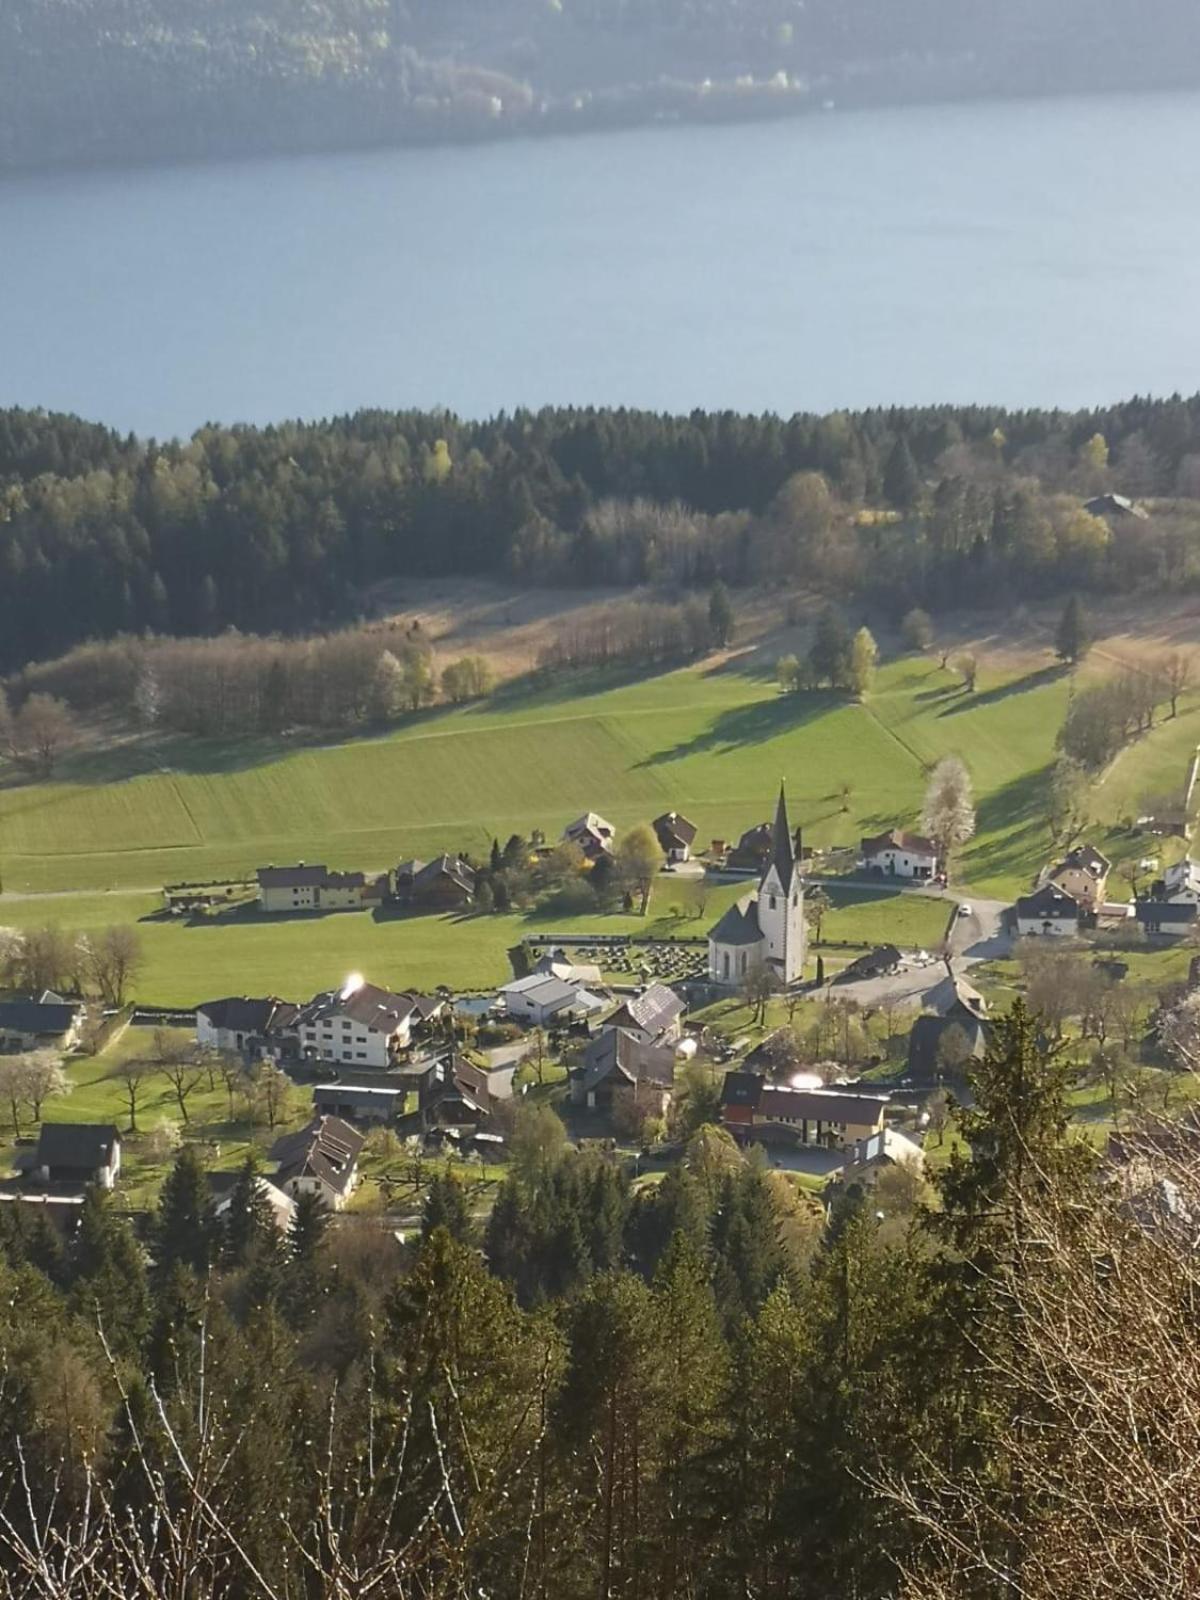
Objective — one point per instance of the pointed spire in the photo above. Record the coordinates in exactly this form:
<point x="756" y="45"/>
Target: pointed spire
<point x="781" y="841"/>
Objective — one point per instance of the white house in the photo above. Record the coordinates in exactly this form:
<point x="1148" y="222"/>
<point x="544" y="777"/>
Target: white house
<point x="765" y="928"/>
<point x="304" y="888"/>
<point x="222" y="1184"/>
<point x="901" y="855"/>
<point x="594" y="836"/>
<point x="50" y="1022"/>
<point x="1181" y="883"/>
<point x="360" y="1023"/>
<point x="542" y="998"/>
<point x="321" y="1159"/>
<point x="239" y="1025"/>
<point x="1050" y="912"/>
<point x="78" y="1153"/>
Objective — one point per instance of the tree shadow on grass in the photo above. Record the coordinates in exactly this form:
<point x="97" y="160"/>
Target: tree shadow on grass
<point x="1003" y="691"/>
<point x="1011" y="825"/>
<point x="752" y="724"/>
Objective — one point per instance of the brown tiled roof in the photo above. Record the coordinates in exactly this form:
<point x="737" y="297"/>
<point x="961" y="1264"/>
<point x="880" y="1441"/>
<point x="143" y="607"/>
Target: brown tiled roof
<point x="653" y="1011"/>
<point x="327" y="1148"/>
<point x="820" y="1105"/>
<point x="305" y="877"/>
<point x="616" y="1053"/>
<point x="895" y="839"/>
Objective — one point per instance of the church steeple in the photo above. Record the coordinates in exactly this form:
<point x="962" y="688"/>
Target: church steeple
<point x="782" y="858"/>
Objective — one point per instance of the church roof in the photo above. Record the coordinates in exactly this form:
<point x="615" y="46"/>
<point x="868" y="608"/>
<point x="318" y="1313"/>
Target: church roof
<point x="739" y="925"/>
<point x="782" y="858"/>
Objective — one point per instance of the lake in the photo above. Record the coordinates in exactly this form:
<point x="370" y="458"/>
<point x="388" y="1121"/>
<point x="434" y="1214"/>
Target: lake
<point x="1020" y="252"/>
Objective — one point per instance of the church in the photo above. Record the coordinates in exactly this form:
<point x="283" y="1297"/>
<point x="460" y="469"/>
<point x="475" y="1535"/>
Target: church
<point x="766" y="927"/>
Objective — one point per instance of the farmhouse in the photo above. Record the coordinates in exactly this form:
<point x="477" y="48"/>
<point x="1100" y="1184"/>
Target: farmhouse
<point x="363" y="1024"/>
<point x="243" y="1026"/>
<point x="935" y="1049"/>
<point x="1165" y="919"/>
<point x="1083" y="874"/>
<point x="1181" y="883"/>
<point x="620" y="1068"/>
<point x="78" y="1153"/>
<point x="752" y="1108"/>
<point x="765" y="928"/>
<point x="594" y="836"/>
<point x="321" y="1159"/>
<point x="447" y="883"/>
<point x="1049" y="912"/>
<point x="48" y="1023"/>
<point x="901" y="855"/>
<point x="304" y="888"/>
<point x="752" y="850"/>
<point x="541" y="999"/>
<point x="653" y="1017"/>
<point x="676" y="835"/>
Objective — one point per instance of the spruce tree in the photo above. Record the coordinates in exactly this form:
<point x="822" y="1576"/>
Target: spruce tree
<point x="108" y="1273"/>
<point x="901" y="479"/>
<point x="720" y="615"/>
<point x="248" y="1225"/>
<point x="310" y="1219"/>
<point x="446" y="1207"/>
<point x="1073" y="639"/>
<point x="183" y="1228"/>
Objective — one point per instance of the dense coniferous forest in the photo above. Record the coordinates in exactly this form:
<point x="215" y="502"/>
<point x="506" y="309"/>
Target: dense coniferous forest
<point x="284" y="528"/>
<point x="707" y="1387"/>
<point x="114" y="80"/>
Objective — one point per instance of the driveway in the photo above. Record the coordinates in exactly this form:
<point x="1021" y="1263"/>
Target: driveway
<point x="982" y="936"/>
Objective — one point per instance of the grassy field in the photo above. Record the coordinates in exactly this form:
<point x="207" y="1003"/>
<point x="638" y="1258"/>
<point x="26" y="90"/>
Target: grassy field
<point x="714" y="742"/>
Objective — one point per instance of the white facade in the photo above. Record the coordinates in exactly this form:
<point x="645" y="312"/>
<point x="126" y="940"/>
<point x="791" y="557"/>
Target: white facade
<point x="541" y="997"/>
<point x="1053" y="927"/>
<point x="781" y="918"/>
<point x="1182" y="883"/>
<point x="334" y="1198"/>
<point x="901" y="862"/>
<point x="335" y="1037"/>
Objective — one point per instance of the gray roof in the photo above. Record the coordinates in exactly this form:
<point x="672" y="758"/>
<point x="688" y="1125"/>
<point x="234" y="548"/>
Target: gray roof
<point x="653" y="1011"/>
<point x="305" y="877"/>
<point x="674" y="830"/>
<point x="35" y="1018"/>
<point x="78" y="1146"/>
<point x="240" y="1015"/>
<point x="1087" y="858"/>
<point x="1156" y="912"/>
<point x="367" y="1005"/>
<point x="616" y="1053"/>
<point x="1048" y="902"/>
<point x="739" y="925"/>
<point x="327" y="1148"/>
<point x="782" y="857"/>
<point x="741" y="1089"/>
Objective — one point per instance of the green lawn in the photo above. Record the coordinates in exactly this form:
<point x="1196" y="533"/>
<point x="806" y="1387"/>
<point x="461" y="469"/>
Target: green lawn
<point x="711" y="742"/>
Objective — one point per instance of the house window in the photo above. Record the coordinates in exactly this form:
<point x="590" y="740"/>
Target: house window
<point x="725" y="963"/>
<point x="772" y="900"/>
<point x="362" y="1055"/>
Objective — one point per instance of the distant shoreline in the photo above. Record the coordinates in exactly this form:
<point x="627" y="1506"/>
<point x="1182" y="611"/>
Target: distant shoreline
<point x="659" y="106"/>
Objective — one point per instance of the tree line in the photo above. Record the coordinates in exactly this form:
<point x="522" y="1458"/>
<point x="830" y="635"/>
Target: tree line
<point x="701" y="1387"/>
<point x="284" y="529"/>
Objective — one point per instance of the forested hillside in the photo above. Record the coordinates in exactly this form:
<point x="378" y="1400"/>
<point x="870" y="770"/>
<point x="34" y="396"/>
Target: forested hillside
<point x="698" y="1388"/>
<point x="285" y="528"/>
<point x="136" y="80"/>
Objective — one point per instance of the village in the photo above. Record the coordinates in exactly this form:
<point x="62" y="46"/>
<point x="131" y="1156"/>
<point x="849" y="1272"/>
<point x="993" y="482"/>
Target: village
<point x="837" y="1069"/>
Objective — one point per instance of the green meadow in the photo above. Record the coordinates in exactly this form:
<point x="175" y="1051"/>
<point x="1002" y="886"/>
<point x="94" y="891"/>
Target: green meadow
<point x="713" y="743"/>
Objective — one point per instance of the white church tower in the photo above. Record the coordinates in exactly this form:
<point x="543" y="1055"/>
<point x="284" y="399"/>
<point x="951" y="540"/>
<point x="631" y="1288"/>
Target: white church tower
<point x="781" y="903"/>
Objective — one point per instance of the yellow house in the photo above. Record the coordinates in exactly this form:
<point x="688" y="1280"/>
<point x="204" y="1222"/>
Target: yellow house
<point x="1084" y="876"/>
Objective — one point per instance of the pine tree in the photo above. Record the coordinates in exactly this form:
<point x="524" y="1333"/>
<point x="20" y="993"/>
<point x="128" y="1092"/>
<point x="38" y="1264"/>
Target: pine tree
<point x="310" y="1219"/>
<point x="44" y="1248"/>
<point x="1073" y="639"/>
<point x="183" y="1229"/>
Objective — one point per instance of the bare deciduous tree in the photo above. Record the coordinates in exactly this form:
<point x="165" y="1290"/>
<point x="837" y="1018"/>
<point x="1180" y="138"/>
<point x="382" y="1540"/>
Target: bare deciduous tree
<point x="949" y="814"/>
<point x="114" y="959"/>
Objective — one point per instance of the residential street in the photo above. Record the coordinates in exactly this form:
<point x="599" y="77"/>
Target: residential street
<point x="983" y="936"/>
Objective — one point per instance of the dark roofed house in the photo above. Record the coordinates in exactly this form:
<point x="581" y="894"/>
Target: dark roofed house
<point x="78" y="1153"/>
<point x="443" y="884"/>
<point x="39" y="1024"/>
<point x="753" y="849"/>
<point x="676" y="835"/>
<point x="1115" y="508"/>
<point x="1165" y="919"/>
<point x="755" y="1110"/>
<point x="244" y="1025"/>
<point x="928" y="1061"/>
<point x="653" y="1016"/>
<point x="884" y="959"/>
<point x="594" y="836"/>
<point x="309" y="888"/>
<point x="362" y="1024"/>
<point x="321" y="1159"/>
<point x="620" y="1068"/>
<point x="1048" y="913"/>
<point x="901" y="855"/>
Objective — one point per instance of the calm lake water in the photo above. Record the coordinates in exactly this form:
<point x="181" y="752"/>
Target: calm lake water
<point x="1028" y="253"/>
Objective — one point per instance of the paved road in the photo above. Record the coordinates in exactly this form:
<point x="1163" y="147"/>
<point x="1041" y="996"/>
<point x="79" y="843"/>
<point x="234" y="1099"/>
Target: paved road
<point x="983" y="936"/>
